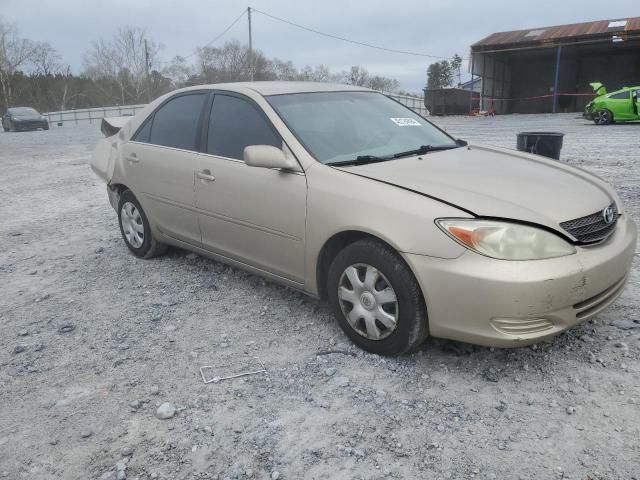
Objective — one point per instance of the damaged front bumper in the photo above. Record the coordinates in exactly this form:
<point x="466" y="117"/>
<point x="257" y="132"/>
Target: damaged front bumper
<point x="502" y="303"/>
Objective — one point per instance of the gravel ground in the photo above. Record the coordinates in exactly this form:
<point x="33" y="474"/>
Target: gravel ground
<point x="100" y="354"/>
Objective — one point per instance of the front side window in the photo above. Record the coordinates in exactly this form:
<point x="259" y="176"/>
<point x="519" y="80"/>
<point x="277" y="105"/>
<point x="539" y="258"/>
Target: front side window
<point x="341" y="126"/>
<point x="175" y="124"/>
<point x="235" y="124"/>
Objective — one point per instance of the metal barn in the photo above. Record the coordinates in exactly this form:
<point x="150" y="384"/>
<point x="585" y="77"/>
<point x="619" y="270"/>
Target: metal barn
<point x="549" y="69"/>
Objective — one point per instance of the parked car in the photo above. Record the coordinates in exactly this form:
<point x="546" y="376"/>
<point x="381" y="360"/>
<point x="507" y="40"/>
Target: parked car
<point x="618" y="106"/>
<point x="347" y="195"/>
<point x="23" y="118"/>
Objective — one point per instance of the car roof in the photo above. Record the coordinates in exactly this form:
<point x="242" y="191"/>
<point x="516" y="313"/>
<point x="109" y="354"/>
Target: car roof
<point x="281" y="87"/>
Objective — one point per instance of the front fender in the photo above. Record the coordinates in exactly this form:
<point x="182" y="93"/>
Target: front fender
<point x="338" y="201"/>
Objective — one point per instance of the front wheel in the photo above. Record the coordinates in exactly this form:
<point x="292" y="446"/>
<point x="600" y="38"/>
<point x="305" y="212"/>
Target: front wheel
<point x="135" y="228"/>
<point x="376" y="298"/>
<point x="602" y="117"/>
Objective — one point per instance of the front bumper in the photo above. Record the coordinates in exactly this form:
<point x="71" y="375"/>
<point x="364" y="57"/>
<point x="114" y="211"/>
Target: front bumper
<point x="502" y="303"/>
<point x="28" y="125"/>
<point x="588" y="114"/>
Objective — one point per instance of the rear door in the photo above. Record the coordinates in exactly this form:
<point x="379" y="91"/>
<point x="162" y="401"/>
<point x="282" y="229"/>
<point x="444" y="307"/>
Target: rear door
<point x="160" y="161"/>
<point x="253" y="215"/>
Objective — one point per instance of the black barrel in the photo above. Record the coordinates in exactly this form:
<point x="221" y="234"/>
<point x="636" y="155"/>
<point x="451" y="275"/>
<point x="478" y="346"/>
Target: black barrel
<point x="547" y="144"/>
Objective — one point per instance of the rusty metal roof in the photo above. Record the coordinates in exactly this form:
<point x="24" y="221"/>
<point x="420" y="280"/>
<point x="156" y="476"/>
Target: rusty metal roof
<point x="575" y="32"/>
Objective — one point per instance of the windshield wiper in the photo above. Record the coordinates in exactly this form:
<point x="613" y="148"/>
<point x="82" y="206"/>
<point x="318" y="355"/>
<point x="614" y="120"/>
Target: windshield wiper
<point x="364" y="159"/>
<point x="424" y="149"/>
<point x="361" y="160"/>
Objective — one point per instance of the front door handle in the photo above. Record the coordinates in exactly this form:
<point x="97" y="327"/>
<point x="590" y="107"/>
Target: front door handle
<point x="205" y="176"/>
<point x="133" y="158"/>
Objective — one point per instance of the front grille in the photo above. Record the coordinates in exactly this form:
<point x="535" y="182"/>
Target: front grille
<point x="592" y="228"/>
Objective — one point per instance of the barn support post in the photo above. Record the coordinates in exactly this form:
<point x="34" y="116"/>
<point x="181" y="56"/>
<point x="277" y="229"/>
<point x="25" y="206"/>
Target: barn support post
<point x="481" y="104"/>
<point x="557" y="79"/>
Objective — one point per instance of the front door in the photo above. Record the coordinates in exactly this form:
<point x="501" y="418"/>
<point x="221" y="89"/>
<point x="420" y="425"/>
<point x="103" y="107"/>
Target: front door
<point x="253" y="215"/>
<point x="160" y="161"/>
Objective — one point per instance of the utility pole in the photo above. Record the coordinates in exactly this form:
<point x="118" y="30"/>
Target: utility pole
<point x="146" y="68"/>
<point x="250" y="45"/>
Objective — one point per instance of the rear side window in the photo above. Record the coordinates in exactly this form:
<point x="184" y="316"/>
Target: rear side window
<point x="235" y="124"/>
<point x="175" y="124"/>
<point x="620" y="96"/>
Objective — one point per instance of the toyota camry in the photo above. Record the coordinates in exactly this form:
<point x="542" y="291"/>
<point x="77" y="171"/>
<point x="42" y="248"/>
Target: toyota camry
<point x="349" y="196"/>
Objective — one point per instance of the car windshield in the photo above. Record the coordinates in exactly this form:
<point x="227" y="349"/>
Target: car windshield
<point x="23" y="111"/>
<point x="339" y="127"/>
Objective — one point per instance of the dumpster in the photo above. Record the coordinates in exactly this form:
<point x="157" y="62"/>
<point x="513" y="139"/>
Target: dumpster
<point x="547" y="144"/>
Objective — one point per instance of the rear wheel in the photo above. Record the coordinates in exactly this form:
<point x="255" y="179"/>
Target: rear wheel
<point x="135" y="228"/>
<point x="602" y="117"/>
<point x="376" y="299"/>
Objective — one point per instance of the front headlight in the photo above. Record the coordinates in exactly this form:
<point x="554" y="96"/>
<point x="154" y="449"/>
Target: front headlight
<point x="504" y="240"/>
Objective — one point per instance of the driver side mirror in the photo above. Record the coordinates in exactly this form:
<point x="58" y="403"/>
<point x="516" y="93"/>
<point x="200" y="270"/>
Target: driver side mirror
<point x="461" y="143"/>
<point x="267" y="156"/>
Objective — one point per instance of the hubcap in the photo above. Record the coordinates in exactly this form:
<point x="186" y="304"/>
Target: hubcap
<point x="368" y="301"/>
<point x="132" y="224"/>
<point x="602" y="117"/>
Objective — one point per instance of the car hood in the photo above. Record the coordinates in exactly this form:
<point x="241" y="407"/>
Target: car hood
<point x="493" y="182"/>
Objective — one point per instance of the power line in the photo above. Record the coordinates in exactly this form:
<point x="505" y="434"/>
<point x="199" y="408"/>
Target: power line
<point x="244" y="12"/>
<point x="355" y="42"/>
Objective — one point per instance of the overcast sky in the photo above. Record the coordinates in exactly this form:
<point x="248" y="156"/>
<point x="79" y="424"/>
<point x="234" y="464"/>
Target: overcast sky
<point x="438" y="27"/>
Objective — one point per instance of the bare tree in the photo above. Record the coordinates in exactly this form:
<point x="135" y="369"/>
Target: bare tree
<point x="178" y="71"/>
<point x="384" y="84"/>
<point x="46" y="59"/>
<point x="15" y="53"/>
<point x="230" y="63"/>
<point x="124" y="59"/>
<point x="356" y="76"/>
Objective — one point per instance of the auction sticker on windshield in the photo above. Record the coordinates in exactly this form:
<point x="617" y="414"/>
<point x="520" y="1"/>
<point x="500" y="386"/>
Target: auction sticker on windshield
<point x="405" y="122"/>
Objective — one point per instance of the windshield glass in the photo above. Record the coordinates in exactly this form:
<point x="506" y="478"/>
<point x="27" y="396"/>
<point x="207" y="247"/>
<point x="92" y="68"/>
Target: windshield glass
<point x="23" y="111"/>
<point x="341" y="126"/>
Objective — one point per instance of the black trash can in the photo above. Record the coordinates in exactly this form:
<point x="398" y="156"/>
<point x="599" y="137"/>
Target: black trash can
<point x="547" y="144"/>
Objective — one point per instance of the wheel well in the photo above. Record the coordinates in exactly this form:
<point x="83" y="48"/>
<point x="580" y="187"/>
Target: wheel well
<point x="118" y="187"/>
<point x="329" y="251"/>
<point x="117" y="190"/>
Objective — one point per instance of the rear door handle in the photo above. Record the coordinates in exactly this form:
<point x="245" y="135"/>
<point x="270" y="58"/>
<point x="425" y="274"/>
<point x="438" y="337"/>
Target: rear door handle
<point x="133" y="158"/>
<point x="205" y="176"/>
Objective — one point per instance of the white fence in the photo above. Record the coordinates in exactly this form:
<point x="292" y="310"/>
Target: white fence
<point x="92" y="115"/>
<point x="414" y="103"/>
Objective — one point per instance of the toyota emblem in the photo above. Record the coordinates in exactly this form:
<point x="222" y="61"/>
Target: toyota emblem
<point x="609" y="215"/>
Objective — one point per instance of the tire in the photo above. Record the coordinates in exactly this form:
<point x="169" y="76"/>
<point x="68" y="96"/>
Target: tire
<point x="46" y="127"/>
<point x="603" y="117"/>
<point x="135" y="229"/>
<point x="12" y="127"/>
<point x="404" y="302"/>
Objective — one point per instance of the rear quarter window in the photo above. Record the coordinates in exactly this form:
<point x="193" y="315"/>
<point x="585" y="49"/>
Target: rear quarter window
<point x="143" y="135"/>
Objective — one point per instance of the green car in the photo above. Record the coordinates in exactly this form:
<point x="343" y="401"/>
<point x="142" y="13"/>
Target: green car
<point x="619" y="106"/>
